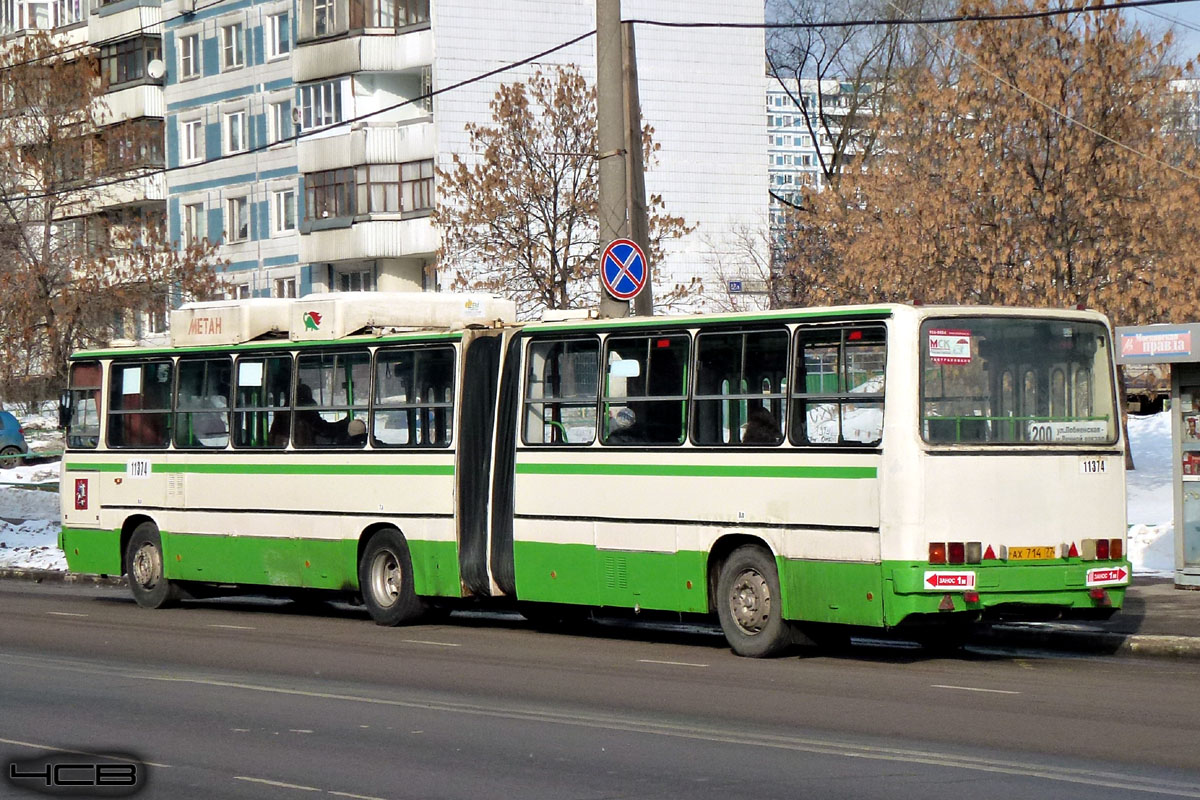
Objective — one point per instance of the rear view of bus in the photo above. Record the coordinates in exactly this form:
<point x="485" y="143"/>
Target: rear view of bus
<point x="1019" y="500"/>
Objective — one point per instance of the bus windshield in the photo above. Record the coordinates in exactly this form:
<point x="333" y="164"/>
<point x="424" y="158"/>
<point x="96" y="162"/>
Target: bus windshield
<point x="1011" y="380"/>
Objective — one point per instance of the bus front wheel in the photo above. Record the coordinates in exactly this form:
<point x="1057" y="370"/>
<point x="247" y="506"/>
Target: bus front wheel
<point x="144" y="569"/>
<point x="749" y="604"/>
<point x="385" y="579"/>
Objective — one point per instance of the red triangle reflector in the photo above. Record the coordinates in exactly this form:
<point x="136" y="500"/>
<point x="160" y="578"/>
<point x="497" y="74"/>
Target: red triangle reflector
<point x="1073" y="552"/>
<point x="989" y="554"/>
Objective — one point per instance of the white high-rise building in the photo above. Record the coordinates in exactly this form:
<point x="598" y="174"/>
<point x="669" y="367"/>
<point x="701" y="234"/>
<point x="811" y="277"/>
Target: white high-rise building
<point x="347" y="207"/>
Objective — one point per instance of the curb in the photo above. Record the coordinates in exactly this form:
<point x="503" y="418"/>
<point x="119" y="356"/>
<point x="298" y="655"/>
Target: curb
<point x="59" y="576"/>
<point x="1096" y="642"/>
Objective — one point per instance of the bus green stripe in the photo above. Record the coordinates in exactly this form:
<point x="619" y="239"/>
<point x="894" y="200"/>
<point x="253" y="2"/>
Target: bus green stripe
<point x="269" y="344"/>
<point x="276" y="469"/>
<point x="698" y="471"/>
<point x="782" y="316"/>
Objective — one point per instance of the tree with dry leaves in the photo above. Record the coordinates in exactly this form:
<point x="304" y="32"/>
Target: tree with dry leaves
<point x="1036" y="173"/>
<point x="81" y="262"/>
<point x="519" y="214"/>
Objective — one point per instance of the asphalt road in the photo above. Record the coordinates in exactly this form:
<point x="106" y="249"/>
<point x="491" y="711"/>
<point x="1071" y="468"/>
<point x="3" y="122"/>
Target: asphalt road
<point x="252" y="699"/>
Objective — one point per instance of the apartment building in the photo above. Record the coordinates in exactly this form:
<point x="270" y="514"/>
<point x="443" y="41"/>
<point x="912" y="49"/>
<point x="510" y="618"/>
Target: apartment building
<point x="301" y="135"/>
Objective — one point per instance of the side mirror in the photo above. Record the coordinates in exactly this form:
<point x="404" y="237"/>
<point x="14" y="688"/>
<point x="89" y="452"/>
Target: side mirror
<point x="64" y="409"/>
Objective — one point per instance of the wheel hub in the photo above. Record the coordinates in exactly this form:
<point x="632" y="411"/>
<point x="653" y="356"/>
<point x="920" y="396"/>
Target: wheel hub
<point x="750" y="601"/>
<point x="386" y="578"/>
<point x="146" y="566"/>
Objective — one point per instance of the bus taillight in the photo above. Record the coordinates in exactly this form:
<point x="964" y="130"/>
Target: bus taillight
<point x="974" y="552"/>
<point x="937" y="552"/>
<point x="957" y="553"/>
<point x="1102" y="549"/>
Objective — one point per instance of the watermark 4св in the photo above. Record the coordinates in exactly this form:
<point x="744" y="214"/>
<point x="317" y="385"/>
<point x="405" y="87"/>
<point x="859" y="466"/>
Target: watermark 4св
<point x="77" y="775"/>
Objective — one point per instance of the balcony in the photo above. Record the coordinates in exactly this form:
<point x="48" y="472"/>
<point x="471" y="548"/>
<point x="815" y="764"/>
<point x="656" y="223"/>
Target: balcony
<point x="133" y="102"/>
<point x="135" y="191"/>
<point x="110" y="21"/>
<point x="362" y="52"/>
<point x="369" y="143"/>
<point x="370" y="238"/>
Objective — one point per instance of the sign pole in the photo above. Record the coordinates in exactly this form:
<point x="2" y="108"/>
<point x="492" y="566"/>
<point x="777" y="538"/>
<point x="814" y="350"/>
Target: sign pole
<point x="610" y="139"/>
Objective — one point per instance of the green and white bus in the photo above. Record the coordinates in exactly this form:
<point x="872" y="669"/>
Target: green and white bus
<point x="796" y="472"/>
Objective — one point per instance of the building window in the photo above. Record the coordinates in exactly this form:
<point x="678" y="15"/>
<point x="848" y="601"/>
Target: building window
<point x="237" y="219"/>
<point x="190" y="143"/>
<point x="324" y="17"/>
<point x="279" y="35"/>
<point x="320" y="104"/>
<point x="283" y="218"/>
<point x="194" y="223"/>
<point x="329" y="194"/>
<point x="284" y="287"/>
<point x="280" y="121"/>
<point x="356" y="281"/>
<point x="393" y="188"/>
<point x="232" y="46"/>
<point x="241" y="291"/>
<point x="235" y="132"/>
<point x="125" y="62"/>
<point x="189" y="56"/>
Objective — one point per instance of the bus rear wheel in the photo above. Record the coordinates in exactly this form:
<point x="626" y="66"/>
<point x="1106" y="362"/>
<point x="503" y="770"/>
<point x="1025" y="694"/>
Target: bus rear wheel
<point x="144" y="569"/>
<point x="749" y="604"/>
<point x="385" y="579"/>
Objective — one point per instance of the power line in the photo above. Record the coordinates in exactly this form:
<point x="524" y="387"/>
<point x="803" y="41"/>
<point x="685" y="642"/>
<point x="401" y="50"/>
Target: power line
<point x="1172" y="20"/>
<point x="864" y="23"/>
<point x="307" y="134"/>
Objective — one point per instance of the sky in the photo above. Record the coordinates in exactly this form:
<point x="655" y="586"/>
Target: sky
<point x="1184" y="17"/>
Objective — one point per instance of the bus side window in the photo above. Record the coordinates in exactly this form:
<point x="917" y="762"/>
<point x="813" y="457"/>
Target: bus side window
<point x="414" y="397"/>
<point x="262" y="401"/>
<point x="83" y="426"/>
<point x="838" y="394"/>
<point x="139" y="404"/>
<point x="561" y="392"/>
<point x="740" y="380"/>
<point x="645" y="389"/>
<point x="202" y="403"/>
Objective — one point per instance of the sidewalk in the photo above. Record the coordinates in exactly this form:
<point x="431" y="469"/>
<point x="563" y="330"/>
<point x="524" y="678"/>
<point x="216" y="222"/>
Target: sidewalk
<point x="1156" y="619"/>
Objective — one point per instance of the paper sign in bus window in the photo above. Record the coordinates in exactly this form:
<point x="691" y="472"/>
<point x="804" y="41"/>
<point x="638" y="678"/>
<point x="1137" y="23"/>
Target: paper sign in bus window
<point x="950" y="347"/>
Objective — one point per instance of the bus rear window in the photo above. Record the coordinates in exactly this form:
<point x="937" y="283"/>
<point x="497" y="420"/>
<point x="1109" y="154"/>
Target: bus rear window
<point x="1007" y="380"/>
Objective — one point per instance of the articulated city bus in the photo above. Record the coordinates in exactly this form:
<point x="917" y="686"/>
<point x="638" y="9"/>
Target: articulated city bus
<point x="796" y="472"/>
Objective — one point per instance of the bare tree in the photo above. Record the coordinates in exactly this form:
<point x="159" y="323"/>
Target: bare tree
<point x="79" y="263"/>
<point x="519" y="215"/>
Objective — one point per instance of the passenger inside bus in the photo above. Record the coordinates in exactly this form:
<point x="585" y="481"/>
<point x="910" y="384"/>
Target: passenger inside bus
<point x="761" y="427"/>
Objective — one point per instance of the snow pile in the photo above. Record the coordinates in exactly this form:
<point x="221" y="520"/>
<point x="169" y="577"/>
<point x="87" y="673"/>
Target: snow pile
<point x="31" y="544"/>
<point x="1148" y="500"/>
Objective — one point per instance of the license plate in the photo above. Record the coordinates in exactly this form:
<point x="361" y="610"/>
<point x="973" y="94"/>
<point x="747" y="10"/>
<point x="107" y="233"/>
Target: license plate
<point x="1030" y="553"/>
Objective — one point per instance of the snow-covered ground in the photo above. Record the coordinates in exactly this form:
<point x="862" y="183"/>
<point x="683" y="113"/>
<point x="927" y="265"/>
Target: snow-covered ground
<point x="29" y="518"/>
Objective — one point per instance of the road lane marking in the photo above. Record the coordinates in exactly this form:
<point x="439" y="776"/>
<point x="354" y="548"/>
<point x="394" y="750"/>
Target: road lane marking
<point x="232" y="627"/>
<point x="1087" y="777"/>
<point x="671" y="663"/>
<point x="435" y="644"/>
<point x="278" y="784"/>
<point x="53" y="749"/>
<point x="64" y="614"/>
<point x="354" y="796"/>
<point x="299" y="730"/>
<point x="973" y="689"/>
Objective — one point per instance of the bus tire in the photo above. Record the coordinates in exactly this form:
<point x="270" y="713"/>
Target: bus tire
<point x="144" y="569"/>
<point x="385" y="578"/>
<point x="749" y="604"/>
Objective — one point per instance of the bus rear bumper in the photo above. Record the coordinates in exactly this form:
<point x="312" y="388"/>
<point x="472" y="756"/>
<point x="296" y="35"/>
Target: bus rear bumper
<point x="1064" y="590"/>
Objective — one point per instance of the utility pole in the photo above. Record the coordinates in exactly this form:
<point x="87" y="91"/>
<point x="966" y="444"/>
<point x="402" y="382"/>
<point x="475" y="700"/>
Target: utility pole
<point x="635" y="173"/>
<point x="610" y="139"/>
